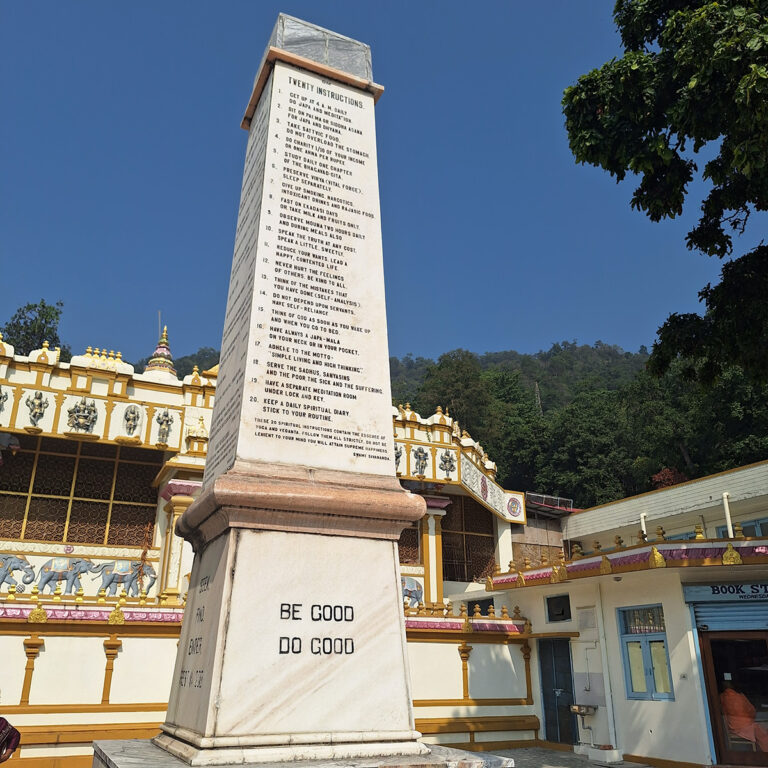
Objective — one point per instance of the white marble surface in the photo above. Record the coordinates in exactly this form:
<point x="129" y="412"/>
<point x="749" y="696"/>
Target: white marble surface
<point x="304" y="374"/>
<point x="195" y="677"/>
<point x="318" y="658"/>
<point x="144" y="754"/>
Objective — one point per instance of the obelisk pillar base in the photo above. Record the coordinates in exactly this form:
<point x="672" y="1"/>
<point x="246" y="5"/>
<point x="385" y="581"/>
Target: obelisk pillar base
<point x="284" y="752"/>
<point x="293" y="642"/>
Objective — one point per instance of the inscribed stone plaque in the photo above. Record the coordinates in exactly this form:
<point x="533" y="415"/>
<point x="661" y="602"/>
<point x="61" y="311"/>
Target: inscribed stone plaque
<point x="304" y="375"/>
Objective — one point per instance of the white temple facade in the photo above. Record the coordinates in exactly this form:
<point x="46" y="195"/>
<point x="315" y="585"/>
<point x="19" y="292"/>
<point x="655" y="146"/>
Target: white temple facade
<point x="508" y="625"/>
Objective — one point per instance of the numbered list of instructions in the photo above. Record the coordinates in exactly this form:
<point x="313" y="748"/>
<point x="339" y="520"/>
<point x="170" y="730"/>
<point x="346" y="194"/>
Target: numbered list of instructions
<point x="317" y="381"/>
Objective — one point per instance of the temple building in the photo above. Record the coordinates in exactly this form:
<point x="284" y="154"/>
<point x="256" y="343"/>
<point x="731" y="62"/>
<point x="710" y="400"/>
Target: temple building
<point x="509" y="625"/>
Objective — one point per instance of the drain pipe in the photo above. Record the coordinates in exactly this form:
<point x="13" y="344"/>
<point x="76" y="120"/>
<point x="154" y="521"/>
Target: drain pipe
<point x="643" y="515"/>
<point x="727" y="508"/>
<point x="606" y="672"/>
<point x="585" y="727"/>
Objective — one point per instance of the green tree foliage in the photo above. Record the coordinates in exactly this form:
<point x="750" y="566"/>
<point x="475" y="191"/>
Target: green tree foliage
<point x="694" y="74"/>
<point x="586" y="458"/>
<point x="32" y="324"/>
<point x="204" y="358"/>
<point x="608" y="428"/>
<point x="455" y="382"/>
<point x="406" y="376"/>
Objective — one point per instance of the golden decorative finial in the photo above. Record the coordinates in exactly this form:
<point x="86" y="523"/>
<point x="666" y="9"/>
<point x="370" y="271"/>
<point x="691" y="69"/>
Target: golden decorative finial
<point x="516" y="612"/>
<point x="698" y="531"/>
<point x="11" y="593"/>
<point x="597" y="546"/>
<point x="164" y="337"/>
<point x="526" y="563"/>
<point x="738" y="532"/>
<point x="463" y="611"/>
<point x="102" y="596"/>
<point x="642" y="536"/>
<point x="57" y="593"/>
<point x="439" y="409"/>
<point x="476" y="613"/>
<point x="117" y="616"/>
<point x="46" y="345"/>
<point x="88" y="351"/>
<point x="143" y="597"/>
<point x="619" y="542"/>
<point x="504" y="612"/>
<point x="491" y="611"/>
<point x="660" y="533"/>
<point x="576" y="551"/>
<point x="527" y="627"/>
<point x="111" y="354"/>
<point x="544" y="559"/>
<point x="656" y="559"/>
<point x="731" y="556"/>
<point x="512" y="567"/>
<point x="79" y="595"/>
<point x="119" y="355"/>
<point x="37" y="615"/>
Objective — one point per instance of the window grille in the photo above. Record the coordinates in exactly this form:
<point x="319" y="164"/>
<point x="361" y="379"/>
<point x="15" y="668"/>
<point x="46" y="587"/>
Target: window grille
<point x="64" y="491"/>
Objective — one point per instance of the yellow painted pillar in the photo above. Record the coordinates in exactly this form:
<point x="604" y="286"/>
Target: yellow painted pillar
<point x="432" y="548"/>
<point x="171" y="576"/>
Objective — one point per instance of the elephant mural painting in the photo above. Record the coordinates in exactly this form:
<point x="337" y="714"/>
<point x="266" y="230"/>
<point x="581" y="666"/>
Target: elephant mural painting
<point x="125" y="573"/>
<point x="66" y="569"/>
<point x="11" y="563"/>
<point x="413" y="592"/>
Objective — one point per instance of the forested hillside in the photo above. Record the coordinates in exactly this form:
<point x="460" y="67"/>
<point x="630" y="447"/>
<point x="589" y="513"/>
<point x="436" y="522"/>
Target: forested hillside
<point x="600" y="427"/>
<point x="584" y="422"/>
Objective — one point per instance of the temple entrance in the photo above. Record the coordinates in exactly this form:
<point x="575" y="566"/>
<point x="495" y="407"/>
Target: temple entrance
<point x="736" y="674"/>
<point x="557" y="690"/>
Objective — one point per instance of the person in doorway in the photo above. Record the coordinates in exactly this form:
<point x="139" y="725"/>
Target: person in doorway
<point x="740" y="716"/>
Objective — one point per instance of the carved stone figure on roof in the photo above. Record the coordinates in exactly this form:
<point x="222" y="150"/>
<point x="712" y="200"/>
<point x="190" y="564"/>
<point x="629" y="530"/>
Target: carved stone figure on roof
<point x="37" y="405"/>
<point x="398" y="456"/>
<point x="447" y="462"/>
<point x="82" y="415"/>
<point x="199" y="430"/>
<point x="420" y="457"/>
<point x="131" y="418"/>
<point x="164" y="419"/>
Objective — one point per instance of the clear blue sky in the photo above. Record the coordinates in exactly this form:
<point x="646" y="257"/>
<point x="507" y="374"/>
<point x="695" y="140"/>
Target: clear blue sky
<point x="121" y="159"/>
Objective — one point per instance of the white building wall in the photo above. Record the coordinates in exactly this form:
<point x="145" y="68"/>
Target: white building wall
<point x="586" y="650"/>
<point x="143" y="670"/>
<point x="671" y="730"/>
<point x="496" y="672"/>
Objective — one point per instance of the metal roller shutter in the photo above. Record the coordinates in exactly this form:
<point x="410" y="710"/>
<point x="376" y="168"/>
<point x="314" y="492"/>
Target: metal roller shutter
<point x="719" y="617"/>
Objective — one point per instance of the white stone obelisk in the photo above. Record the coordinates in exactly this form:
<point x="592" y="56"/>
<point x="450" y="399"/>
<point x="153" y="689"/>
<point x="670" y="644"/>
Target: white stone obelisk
<point x="293" y="642"/>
